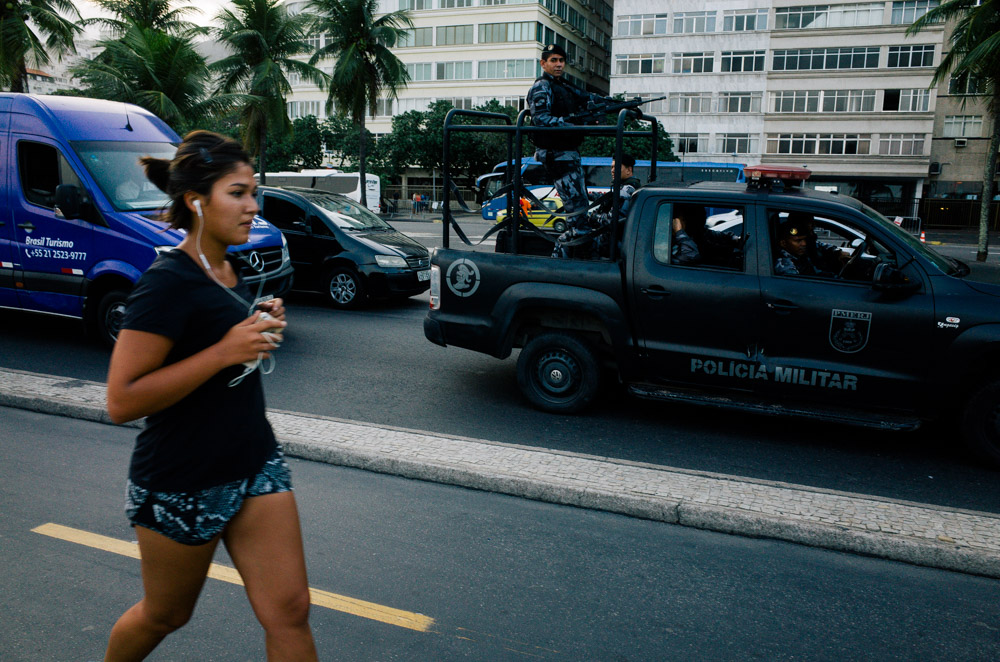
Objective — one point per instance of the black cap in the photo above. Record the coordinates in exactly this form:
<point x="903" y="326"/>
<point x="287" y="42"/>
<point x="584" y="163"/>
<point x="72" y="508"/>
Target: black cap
<point x="793" y="228"/>
<point x="552" y="49"/>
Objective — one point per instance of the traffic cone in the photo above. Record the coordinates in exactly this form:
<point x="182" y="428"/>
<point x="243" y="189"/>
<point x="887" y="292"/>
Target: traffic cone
<point x="923" y="239"/>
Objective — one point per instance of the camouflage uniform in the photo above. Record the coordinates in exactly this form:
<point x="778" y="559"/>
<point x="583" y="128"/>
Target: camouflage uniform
<point x="602" y="218"/>
<point x="789" y="265"/>
<point x="550" y="100"/>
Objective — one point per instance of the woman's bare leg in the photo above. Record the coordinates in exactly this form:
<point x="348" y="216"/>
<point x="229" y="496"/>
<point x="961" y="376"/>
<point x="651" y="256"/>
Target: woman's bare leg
<point x="172" y="577"/>
<point x="265" y="543"/>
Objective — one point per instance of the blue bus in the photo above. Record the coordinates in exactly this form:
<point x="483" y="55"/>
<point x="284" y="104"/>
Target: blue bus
<point x="597" y="171"/>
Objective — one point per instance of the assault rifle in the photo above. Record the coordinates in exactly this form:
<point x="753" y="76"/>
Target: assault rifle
<point x="596" y="110"/>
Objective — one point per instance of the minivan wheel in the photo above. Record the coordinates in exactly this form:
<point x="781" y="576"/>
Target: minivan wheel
<point x="981" y="423"/>
<point x="110" y="315"/>
<point x="558" y="373"/>
<point x="344" y="288"/>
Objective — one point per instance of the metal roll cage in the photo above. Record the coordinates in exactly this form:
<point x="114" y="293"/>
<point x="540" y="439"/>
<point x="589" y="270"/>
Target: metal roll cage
<point x="514" y="187"/>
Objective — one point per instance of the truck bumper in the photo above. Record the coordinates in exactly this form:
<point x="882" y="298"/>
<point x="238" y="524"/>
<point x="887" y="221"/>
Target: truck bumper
<point x="434" y="332"/>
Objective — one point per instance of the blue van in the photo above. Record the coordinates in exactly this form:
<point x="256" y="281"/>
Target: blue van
<point x="78" y="218"/>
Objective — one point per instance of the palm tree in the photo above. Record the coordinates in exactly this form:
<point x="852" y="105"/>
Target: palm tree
<point x="974" y="55"/>
<point x="19" y="43"/>
<point x="151" y="14"/>
<point x="263" y="41"/>
<point x="366" y="68"/>
<point x="162" y="73"/>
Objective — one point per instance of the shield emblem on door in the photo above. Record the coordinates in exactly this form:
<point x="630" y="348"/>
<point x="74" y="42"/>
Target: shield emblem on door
<point x="849" y="330"/>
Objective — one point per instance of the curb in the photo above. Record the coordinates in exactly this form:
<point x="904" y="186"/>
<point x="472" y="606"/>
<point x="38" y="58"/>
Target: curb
<point x="945" y="538"/>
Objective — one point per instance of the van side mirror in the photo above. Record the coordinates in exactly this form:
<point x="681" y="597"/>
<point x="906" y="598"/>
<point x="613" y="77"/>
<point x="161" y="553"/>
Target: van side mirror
<point x="888" y="278"/>
<point x="69" y="201"/>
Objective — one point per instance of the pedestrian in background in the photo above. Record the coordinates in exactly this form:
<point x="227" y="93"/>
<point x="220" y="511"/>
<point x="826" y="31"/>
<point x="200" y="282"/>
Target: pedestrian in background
<point x="206" y="466"/>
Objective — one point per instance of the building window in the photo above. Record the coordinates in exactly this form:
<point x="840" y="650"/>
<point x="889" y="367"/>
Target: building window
<point x="640" y="64"/>
<point x="454" y="4"/>
<point x="383" y="108"/>
<point x="963" y="126"/>
<point x="420" y="71"/>
<point x="450" y="35"/>
<point x="417" y="37"/>
<point x="795" y="101"/>
<point x="509" y="69"/>
<point x="690" y="143"/>
<point x="682" y="103"/>
<point x="454" y="70"/>
<point x="818" y="143"/>
<point x="904" y="13"/>
<point x="413" y="5"/>
<point x="744" y="20"/>
<point x="849" y="101"/>
<point x="692" y="63"/>
<point x="464" y="103"/>
<point x="298" y="109"/>
<point x="803" y="59"/>
<point x="907" y="101"/>
<point x="826" y="16"/>
<point x="640" y="24"/>
<point x="911" y="56"/>
<point x="901" y="144"/>
<point x="739" y="102"/>
<point x="965" y="84"/>
<point x="742" y="60"/>
<point x="693" y="22"/>
<point x="406" y="105"/>
<point x="738" y="143"/>
<point x="494" y="33"/>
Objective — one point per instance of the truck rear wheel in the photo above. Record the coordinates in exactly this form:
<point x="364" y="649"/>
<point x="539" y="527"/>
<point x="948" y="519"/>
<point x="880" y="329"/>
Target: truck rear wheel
<point x="981" y="423"/>
<point x="558" y="373"/>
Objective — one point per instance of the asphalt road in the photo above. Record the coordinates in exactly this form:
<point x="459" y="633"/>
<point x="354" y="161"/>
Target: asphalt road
<point x="502" y="578"/>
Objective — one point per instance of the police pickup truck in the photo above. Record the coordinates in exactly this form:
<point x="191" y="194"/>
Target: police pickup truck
<point x="879" y="331"/>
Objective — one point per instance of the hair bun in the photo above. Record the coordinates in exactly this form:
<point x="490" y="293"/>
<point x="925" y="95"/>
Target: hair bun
<point x="157" y="171"/>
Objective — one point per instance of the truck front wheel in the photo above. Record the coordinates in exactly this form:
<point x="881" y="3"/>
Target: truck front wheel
<point x="558" y="373"/>
<point x="981" y="422"/>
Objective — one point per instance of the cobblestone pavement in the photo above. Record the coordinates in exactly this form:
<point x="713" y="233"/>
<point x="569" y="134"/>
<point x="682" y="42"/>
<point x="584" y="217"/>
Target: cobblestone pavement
<point x="923" y="534"/>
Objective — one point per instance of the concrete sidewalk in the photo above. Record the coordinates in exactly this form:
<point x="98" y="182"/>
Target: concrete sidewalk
<point x="939" y="537"/>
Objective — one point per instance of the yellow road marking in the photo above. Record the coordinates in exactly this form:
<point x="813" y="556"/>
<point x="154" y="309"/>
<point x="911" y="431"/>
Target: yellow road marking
<point x="342" y="603"/>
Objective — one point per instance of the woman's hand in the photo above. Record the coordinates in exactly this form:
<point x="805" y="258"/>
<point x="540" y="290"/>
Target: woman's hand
<point x="247" y="340"/>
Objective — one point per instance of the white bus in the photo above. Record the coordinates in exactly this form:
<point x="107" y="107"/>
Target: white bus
<point x="334" y="181"/>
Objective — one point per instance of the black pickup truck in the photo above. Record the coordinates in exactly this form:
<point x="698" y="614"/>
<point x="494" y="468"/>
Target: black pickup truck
<point x="890" y="335"/>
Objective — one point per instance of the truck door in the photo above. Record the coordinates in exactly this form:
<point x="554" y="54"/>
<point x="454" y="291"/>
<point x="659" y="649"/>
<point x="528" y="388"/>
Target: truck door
<point x="54" y="253"/>
<point x="829" y="336"/>
<point x="8" y="254"/>
<point x="697" y="294"/>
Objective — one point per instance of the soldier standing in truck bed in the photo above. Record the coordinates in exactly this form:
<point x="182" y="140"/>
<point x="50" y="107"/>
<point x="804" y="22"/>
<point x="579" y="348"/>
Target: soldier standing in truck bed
<point x="551" y="99"/>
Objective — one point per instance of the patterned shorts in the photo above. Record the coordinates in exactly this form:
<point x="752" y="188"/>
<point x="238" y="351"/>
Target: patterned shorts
<point x="194" y="518"/>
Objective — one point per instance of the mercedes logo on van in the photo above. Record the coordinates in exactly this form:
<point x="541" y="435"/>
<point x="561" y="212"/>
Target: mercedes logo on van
<point x="255" y="260"/>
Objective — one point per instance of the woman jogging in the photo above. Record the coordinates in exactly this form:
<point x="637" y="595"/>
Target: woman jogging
<point x="206" y="467"/>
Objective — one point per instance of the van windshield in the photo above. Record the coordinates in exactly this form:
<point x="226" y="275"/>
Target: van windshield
<point x="115" y="167"/>
<point x="348" y="214"/>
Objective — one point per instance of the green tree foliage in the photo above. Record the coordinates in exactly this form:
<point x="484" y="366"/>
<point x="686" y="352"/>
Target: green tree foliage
<point x="302" y="148"/>
<point x="162" y="73"/>
<point x="974" y="53"/>
<point x="263" y="41"/>
<point x="24" y="24"/>
<point x="640" y="148"/>
<point x="366" y="68"/>
<point x="149" y="14"/>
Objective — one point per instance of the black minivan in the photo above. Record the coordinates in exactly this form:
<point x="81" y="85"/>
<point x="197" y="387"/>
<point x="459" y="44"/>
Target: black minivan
<point x="341" y="249"/>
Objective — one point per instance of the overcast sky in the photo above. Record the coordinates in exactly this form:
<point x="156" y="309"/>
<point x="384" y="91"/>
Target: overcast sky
<point x="209" y="8"/>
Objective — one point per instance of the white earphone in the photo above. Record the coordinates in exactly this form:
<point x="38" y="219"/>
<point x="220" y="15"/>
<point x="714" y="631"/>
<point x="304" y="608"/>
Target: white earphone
<point x="197" y="207"/>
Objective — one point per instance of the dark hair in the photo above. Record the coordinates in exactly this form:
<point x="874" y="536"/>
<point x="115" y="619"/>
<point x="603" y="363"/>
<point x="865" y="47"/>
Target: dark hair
<point x="201" y="160"/>
<point x="628" y="161"/>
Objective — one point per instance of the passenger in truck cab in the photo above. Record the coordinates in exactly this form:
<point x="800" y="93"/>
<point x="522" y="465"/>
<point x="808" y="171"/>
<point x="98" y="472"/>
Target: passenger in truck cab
<point x="711" y="248"/>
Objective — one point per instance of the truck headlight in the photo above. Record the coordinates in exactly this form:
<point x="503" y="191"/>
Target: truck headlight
<point x="390" y="261"/>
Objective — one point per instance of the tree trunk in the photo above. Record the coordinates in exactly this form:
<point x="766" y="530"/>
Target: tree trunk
<point x="262" y="145"/>
<point x="362" y="180"/>
<point x="17" y="83"/>
<point x="989" y="185"/>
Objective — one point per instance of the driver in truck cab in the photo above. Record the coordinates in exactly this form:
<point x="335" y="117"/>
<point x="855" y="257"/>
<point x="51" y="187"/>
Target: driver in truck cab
<point x="801" y="253"/>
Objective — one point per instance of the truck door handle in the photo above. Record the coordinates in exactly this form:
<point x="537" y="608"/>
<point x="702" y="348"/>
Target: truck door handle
<point x="26" y="226"/>
<point x="654" y="292"/>
<point x="781" y="307"/>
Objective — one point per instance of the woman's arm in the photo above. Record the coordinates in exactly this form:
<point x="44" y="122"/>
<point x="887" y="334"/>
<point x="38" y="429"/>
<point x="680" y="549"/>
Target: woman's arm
<point x="139" y="384"/>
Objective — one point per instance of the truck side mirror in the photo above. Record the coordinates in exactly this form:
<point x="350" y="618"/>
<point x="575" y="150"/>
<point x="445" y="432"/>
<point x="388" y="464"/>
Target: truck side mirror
<point x="888" y="278"/>
<point x="69" y="201"/>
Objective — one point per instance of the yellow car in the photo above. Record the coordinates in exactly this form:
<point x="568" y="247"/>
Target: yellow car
<point x="548" y="217"/>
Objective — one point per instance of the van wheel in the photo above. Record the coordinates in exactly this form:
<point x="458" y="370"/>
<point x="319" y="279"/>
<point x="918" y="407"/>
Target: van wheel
<point x="558" y="373"/>
<point x="110" y="315"/>
<point x="344" y="288"/>
<point x="981" y="423"/>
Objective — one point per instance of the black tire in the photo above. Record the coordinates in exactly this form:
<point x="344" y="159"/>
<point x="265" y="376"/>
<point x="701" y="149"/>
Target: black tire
<point x="981" y="423"/>
<point x="344" y="288"/>
<point x="109" y="317"/>
<point x="558" y="373"/>
<point x="559" y="226"/>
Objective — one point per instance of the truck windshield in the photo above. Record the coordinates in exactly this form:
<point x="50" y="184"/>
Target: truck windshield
<point x="348" y="214"/>
<point x="945" y="264"/>
<point x="115" y="167"/>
